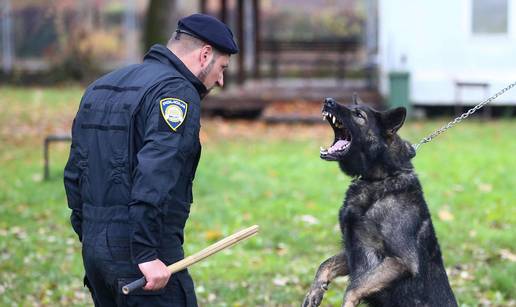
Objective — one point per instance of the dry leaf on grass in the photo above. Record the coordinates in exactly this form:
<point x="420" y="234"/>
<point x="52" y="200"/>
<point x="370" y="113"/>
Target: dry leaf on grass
<point x="212" y="235"/>
<point x="445" y="215"/>
<point x="485" y="187"/>
<point x="507" y="255"/>
<point x="309" y="219"/>
<point x="280" y="281"/>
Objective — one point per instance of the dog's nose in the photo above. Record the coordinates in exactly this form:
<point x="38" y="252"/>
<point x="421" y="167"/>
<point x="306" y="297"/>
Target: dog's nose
<point x="329" y="102"/>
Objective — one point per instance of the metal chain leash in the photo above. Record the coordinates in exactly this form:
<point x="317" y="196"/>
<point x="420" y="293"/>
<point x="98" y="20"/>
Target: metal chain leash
<point x="463" y="116"/>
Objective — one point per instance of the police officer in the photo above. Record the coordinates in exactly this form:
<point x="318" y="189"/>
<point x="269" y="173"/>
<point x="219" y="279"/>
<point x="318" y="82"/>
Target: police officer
<point x="135" y="149"/>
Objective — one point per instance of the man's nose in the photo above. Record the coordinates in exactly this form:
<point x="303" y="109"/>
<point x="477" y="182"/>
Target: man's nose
<point x="330" y="102"/>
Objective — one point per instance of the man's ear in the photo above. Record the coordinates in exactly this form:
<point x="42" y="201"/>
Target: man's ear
<point x="206" y="55"/>
<point x="392" y="120"/>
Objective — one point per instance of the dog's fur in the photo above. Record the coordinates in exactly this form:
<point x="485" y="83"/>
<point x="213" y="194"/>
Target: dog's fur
<point x="391" y="253"/>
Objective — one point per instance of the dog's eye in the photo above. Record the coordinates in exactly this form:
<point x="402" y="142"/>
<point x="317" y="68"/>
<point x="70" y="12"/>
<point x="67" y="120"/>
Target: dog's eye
<point x="359" y="114"/>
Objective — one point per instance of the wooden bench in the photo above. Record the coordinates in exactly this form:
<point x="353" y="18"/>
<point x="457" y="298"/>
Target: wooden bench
<point x="310" y="57"/>
<point x="459" y="85"/>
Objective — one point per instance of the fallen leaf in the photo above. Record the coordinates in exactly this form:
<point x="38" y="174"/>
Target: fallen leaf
<point x="37" y="177"/>
<point x="458" y="188"/>
<point x="465" y="275"/>
<point x="280" y="281"/>
<point x="212" y="235"/>
<point x="485" y="187"/>
<point x="309" y="219"/>
<point x="281" y="249"/>
<point x="507" y="255"/>
<point x="212" y="297"/>
<point x="445" y="215"/>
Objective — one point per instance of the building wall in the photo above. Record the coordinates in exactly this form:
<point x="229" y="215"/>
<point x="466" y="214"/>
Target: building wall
<point x="433" y="41"/>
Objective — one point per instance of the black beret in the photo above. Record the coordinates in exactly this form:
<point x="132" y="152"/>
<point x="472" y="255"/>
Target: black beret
<point x="209" y="29"/>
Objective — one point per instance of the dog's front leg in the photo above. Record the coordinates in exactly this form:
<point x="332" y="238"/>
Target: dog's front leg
<point x="373" y="281"/>
<point x="328" y="270"/>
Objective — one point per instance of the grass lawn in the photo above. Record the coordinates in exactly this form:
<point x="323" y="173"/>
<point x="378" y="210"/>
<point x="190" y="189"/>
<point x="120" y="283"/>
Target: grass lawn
<point x="272" y="176"/>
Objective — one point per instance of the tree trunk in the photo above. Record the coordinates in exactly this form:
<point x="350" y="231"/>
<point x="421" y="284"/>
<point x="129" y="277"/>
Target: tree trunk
<point x="160" y="22"/>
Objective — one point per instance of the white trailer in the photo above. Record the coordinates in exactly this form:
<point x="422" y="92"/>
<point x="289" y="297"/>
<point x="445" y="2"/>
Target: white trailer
<point x="454" y="51"/>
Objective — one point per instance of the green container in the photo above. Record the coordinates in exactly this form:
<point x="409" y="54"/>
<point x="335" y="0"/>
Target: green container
<point x="399" y="90"/>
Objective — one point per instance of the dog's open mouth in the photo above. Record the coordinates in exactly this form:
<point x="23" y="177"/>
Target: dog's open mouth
<point x="342" y="141"/>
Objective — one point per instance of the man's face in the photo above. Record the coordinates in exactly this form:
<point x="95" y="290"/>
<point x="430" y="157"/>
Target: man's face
<point x="213" y="74"/>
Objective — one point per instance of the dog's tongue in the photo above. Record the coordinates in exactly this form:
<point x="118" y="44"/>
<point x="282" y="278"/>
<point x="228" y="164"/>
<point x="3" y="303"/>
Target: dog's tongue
<point x="340" y="144"/>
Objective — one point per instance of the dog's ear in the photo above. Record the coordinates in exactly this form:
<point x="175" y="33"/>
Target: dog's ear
<point x="392" y="120"/>
<point x="356" y="99"/>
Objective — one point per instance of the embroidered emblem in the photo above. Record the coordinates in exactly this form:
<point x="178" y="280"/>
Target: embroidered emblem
<point x="173" y="111"/>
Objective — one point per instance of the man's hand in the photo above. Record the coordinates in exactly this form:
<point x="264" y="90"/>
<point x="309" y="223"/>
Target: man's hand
<point x="156" y="274"/>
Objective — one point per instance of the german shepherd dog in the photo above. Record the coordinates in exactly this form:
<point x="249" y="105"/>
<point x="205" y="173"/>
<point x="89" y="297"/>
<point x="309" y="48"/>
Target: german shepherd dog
<point x="391" y="253"/>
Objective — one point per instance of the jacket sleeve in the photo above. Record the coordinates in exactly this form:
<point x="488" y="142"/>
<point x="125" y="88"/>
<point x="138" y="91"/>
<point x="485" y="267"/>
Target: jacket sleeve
<point x="157" y="170"/>
<point x="71" y="184"/>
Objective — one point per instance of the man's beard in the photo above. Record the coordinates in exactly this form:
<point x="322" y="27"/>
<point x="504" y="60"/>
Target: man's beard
<point x="203" y="74"/>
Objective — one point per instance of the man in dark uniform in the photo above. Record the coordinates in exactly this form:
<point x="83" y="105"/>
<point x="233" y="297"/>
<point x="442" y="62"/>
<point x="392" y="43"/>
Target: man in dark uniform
<point x="135" y="149"/>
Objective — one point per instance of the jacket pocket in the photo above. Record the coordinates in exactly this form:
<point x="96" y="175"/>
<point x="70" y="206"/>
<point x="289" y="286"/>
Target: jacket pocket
<point x="118" y="241"/>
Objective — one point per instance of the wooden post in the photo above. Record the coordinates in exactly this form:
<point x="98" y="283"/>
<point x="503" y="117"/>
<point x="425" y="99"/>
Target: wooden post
<point x="7" y="36"/>
<point x="131" y="43"/>
<point x="223" y="15"/>
<point x="203" y="6"/>
<point x="46" y="173"/>
<point x="241" y="44"/>
<point x="274" y="59"/>
<point x="257" y="46"/>
<point x="223" y="11"/>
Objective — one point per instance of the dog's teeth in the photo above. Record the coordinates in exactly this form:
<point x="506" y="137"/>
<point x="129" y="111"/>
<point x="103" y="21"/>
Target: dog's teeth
<point x="333" y="119"/>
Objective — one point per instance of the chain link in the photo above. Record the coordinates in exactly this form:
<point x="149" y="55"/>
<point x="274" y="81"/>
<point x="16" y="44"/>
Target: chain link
<point x="461" y="117"/>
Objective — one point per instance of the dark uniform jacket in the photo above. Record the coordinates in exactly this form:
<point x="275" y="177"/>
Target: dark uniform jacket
<point x="129" y="168"/>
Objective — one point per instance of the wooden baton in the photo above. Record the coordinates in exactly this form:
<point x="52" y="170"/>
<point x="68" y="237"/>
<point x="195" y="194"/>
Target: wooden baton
<point x="208" y="251"/>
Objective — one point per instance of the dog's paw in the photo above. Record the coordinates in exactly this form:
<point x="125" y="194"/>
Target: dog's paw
<point x="314" y="297"/>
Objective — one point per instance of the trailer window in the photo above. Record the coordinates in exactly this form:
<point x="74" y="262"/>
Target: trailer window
<point x="490" y="16"/>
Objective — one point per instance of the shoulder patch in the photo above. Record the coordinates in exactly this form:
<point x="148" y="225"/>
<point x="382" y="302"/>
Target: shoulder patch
<point x="173" y="111"/>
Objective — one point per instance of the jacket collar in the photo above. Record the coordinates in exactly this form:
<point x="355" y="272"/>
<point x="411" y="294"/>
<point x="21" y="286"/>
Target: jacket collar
<point x="163" y="55"/>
